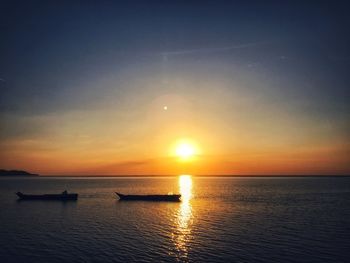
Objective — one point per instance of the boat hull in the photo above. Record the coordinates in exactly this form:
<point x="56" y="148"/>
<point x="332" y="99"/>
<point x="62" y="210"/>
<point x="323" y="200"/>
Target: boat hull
<point x="61" y="197"/>
<point x="166" y="198"/>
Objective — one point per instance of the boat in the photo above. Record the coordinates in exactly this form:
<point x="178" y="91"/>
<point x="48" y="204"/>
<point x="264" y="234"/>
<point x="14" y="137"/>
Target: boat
<point x="64" y="196"/>
<point x="168" y="198"/>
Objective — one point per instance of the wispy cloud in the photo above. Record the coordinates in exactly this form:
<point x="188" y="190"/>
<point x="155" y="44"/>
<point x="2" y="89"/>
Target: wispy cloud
<point x="211" y="50"/>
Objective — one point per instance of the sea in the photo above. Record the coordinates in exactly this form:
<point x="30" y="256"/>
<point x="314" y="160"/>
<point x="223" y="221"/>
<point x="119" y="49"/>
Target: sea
<point x="220" y="219"/>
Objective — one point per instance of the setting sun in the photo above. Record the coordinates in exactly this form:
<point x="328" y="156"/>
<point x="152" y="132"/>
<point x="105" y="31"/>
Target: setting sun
<point x="185" y="150"/>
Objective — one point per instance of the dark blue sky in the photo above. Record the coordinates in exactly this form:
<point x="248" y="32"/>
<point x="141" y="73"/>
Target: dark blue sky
<point x="48" y="46"/>
<point x="63" y="56"/>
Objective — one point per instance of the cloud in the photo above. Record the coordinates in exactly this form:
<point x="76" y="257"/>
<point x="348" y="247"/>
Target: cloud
<point x="210" y="50"/>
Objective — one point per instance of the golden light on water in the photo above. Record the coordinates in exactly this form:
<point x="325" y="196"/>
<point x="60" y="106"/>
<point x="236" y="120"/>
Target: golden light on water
<point x="184" y="215"/>
<point x="185" y="185"/>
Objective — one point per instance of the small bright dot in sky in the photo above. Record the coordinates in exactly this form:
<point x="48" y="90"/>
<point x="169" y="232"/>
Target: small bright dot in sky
<point x="165" y="107"/>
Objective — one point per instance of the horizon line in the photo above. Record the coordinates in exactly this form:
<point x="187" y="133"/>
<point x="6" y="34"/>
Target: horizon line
<point x="200" y="175"/>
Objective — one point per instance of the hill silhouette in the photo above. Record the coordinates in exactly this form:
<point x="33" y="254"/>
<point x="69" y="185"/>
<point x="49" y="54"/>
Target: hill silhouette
<point x="15" y="173"/>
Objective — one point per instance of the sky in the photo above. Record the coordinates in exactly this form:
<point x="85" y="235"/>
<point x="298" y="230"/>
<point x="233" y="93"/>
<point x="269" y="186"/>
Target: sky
<point x="112" y="87"/>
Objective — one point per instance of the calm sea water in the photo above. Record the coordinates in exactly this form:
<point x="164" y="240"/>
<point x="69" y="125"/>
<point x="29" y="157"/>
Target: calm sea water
<point x="219" y="220"/>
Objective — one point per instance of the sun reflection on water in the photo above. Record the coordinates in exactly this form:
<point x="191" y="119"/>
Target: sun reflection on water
<point x="185" y="184"/>
<point x="184" y="216"/>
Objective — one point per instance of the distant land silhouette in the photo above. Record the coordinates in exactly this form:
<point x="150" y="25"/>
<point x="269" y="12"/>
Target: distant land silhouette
<point x="15" y="173"/>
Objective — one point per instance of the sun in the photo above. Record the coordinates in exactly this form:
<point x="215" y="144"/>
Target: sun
<point x="185" y="150"/>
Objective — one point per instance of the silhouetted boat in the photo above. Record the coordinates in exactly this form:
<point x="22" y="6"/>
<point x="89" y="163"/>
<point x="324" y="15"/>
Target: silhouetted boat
<point x="63" y="196"/>
<point x="168" y="198"/>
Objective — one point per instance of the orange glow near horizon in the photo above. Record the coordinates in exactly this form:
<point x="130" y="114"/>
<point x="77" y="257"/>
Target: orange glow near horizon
<point x="198" y="136"/>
